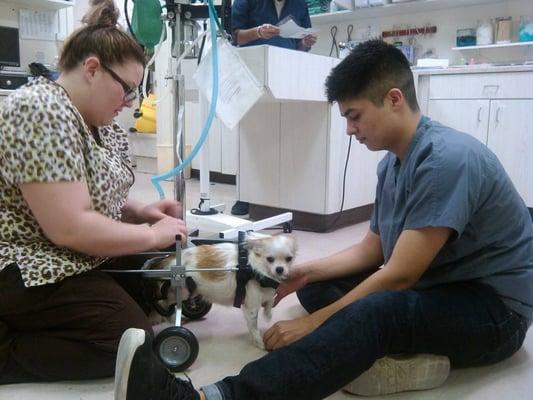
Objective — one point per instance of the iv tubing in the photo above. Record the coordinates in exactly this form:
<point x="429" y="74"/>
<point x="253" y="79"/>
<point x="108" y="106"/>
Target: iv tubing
<point x="214" y="97"/>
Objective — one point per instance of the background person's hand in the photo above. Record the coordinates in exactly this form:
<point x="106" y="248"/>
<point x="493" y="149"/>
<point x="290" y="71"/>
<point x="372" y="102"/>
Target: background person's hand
<point x="165" y="231"/>
<point x="267" y="31"/>
<point x="308" y="41"/>
<point x="160" y="209"/>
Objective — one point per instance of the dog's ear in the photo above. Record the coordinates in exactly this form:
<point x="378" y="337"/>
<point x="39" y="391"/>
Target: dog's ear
<point x="255" y="244"/>
<point x="251" y="235"/>
<point x="292" y="243"/>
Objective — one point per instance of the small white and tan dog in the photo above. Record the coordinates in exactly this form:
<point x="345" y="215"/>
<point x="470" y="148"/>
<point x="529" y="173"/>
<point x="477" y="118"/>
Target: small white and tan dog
<point x="268" y="256"/>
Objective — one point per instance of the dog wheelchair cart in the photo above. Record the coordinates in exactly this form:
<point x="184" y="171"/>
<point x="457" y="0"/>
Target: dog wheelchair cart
<point x="176" y="346"/>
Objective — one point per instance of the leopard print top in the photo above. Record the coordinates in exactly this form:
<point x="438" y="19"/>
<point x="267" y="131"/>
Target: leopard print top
<point x="43" y="138"/>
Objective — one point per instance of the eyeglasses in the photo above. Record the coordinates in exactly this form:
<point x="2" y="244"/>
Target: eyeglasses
<point x="130" y="93"/>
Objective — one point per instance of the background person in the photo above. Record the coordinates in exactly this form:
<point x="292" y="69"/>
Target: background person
<point x="253" y="23"/>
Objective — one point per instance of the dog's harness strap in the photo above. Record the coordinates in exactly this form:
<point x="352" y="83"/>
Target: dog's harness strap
<point x="244" y="272"/>
<point x="265" y="281"/>
<point x="191" y="285"/>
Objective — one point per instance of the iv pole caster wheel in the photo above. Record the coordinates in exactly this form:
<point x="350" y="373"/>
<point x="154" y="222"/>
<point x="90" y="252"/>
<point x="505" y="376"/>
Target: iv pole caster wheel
<point x="177" y="348"/>
<point x="195" y="308"/>
<point x="287" y="227"/>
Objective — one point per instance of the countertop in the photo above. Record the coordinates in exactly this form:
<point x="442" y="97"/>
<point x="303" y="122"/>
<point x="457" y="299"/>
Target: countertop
<point x="473" y="69"/>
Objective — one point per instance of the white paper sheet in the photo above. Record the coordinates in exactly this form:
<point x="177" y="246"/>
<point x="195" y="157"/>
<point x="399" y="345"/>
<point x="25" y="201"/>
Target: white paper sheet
<point x="238" y="89"/>
<point x="40" y="25"/>
<point x="289" y="29"/>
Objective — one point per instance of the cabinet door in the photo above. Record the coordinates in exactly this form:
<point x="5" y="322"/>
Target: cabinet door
<point x="469" y="116"/>
<point x="511" y="139"/>
<point x="303" y="151"/>
<point x="259" y="155"/>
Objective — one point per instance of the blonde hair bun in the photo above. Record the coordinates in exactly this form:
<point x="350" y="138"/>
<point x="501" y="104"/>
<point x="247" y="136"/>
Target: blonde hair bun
<point x="102" y="12"/>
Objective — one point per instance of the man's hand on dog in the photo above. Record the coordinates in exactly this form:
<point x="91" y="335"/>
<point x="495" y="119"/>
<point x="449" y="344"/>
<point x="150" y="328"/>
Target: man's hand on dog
<point x="297" y="280"/>
<point x="283" y="333"/>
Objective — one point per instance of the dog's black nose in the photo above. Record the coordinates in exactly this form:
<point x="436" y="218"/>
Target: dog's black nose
<point x="279" y="270"/>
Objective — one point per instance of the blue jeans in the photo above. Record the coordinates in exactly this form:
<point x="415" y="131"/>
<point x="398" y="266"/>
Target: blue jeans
<point x="465" y="321"/>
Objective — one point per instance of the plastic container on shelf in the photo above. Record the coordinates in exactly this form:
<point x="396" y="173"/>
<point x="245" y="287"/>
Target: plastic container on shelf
<point x="466" y="37"/>
<point x="485" y="32"/>
<point x="525" y="31"/>
<point x="504" y="27"/>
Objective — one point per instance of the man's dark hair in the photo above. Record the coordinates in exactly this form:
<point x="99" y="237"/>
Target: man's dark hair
<point x="370" y="71"/>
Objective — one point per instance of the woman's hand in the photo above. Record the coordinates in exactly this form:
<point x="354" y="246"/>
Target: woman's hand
<point x="283" y="333"/>
<point x="165" y="231"/>
<point x="267" y="31"/>
<point x="308" y="41"/>
<point x="160" y="209"/>
<point x="297" y="280"/>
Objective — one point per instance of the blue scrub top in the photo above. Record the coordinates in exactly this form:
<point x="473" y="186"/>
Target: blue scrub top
<point x="246" y="14"/>
<point x="450" y="179"/>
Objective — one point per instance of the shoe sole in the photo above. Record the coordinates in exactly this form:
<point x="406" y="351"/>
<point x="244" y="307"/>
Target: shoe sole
<point x="401" y="374"/>
<point x="131" y="340"/>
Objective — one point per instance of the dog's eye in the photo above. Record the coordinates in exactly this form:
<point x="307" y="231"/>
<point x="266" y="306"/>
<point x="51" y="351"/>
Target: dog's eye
<point x="270" y="259"/>
<point x="288" y="259"/>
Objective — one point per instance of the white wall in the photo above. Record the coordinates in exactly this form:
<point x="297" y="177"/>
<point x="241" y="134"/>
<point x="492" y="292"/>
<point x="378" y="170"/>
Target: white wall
<point x="30" y="50"/>
<point x="447" y="22"/>
<point x="82" y="6"/>
<point x="43" y="51"/>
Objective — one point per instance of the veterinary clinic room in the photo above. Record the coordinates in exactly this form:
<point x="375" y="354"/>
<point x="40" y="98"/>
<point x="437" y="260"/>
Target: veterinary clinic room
<point x="266" y="199"/>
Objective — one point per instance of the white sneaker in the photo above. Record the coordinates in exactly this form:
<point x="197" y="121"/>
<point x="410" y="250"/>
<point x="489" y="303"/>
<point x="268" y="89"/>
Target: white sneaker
<point x="401" y="373"/>
<point x="140" y="375"/>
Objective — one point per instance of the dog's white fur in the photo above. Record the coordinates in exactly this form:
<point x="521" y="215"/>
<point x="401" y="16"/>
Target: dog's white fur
<point x="271" y="256"/>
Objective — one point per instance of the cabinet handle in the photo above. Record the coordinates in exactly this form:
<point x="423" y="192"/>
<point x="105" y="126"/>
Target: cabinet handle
<point x="498" y="115"/>
<point x="495" y="87"/>
<point x="479" y="114"/>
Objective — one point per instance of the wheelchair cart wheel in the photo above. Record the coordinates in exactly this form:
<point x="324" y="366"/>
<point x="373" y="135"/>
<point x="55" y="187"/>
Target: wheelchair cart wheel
<point x="177" y="348"/>
<point x="195" y="308"/>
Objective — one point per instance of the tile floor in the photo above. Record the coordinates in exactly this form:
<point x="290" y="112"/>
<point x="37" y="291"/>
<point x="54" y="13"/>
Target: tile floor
<point x="225" y="347"/>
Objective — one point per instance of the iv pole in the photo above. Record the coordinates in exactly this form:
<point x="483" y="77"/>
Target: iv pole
<point x="207" y="218"/>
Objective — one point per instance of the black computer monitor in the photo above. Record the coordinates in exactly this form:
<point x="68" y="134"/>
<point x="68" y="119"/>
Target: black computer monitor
<point x="10" y="49"/>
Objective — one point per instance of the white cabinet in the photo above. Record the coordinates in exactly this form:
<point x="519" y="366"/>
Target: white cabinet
<point x="511" y="139"/>
<point x="496" y="108"/>
<point x="43" y="4"/>
<point x="470" y="116"/>
<point x="303" y="145"/>
<point x="293" y="143"/>
<point x="223" y="142"/>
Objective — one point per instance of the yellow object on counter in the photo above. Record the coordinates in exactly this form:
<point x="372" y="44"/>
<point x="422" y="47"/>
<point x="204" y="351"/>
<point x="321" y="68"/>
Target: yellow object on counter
<point x="146" y="122"/>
